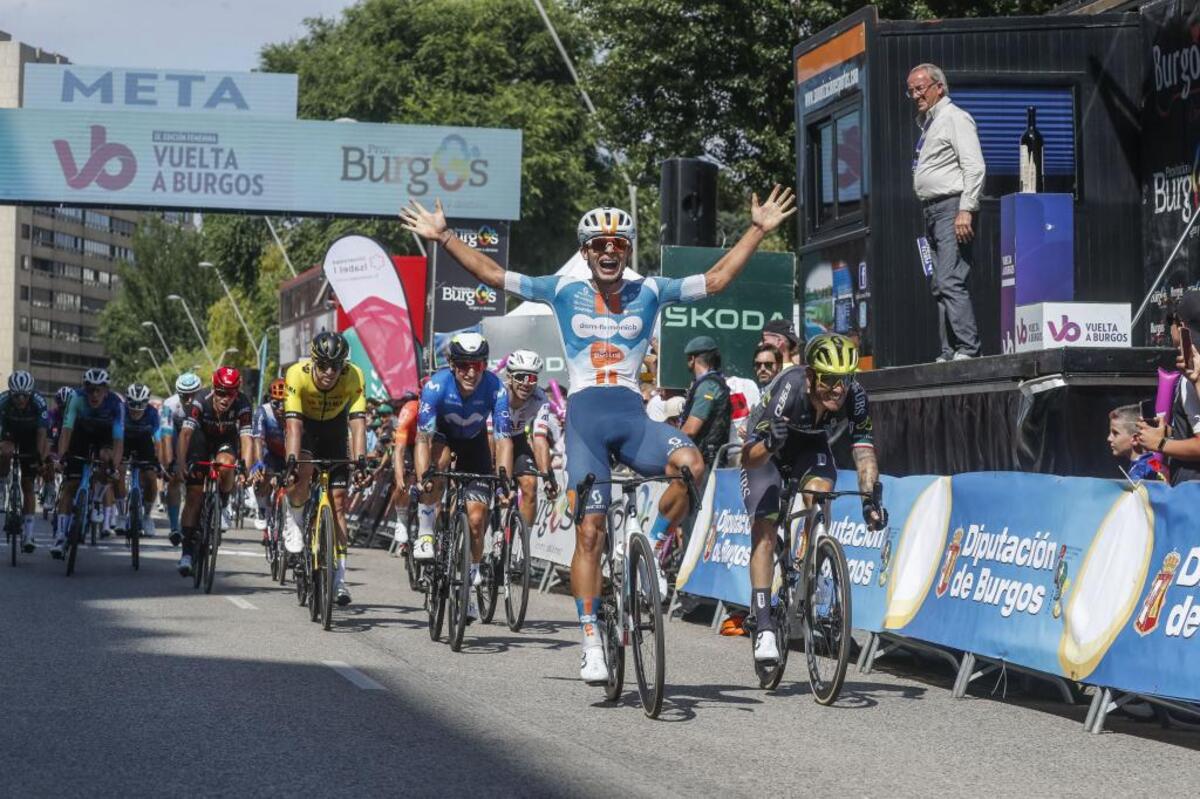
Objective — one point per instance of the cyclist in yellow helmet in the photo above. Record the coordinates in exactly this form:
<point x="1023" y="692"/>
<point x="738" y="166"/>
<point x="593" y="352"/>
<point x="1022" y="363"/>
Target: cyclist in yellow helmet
<point x="789" y="436"/>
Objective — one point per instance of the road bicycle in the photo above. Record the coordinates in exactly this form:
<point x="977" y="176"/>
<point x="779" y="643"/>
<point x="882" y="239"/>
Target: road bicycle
<point x="505" y="565"/>
<point x="13" y="506"/>
<point x="134" y="526"/>
<point x="87" y="511"/>
<point x="631" y="605"/>
<point x="447" y="578"/>
<point x="204" y="562"/>
<point x="813" y="582"/>
<point x="317" y="572"/>
<point x="277" y="507"/>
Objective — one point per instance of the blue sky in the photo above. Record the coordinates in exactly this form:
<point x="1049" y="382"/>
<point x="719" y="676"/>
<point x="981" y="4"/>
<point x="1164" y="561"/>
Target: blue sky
<point x="185" y="34"/>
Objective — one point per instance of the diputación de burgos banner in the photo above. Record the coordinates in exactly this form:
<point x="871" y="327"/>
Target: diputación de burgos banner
<point x="1093" y="580"/>
<point x="368" y="288"/>
<point x="264" y="164"/>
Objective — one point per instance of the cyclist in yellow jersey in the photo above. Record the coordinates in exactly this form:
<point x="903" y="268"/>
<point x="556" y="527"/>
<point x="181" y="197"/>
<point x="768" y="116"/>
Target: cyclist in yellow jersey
<point x="325" y="414"/>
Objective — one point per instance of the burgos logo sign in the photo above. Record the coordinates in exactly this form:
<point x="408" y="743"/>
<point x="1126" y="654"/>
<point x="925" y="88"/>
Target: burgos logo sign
<point x="109" y="165"/>
<point x="470" y="297"/>
<point x="454" y="165"/>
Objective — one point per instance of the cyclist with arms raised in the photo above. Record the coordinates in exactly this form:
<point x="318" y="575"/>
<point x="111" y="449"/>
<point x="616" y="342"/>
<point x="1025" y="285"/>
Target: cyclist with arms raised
<point x="325" y="410"/>
<point x="606" y="323"/>
<point x="455" y="406"/>
<point x="788" y="436"/>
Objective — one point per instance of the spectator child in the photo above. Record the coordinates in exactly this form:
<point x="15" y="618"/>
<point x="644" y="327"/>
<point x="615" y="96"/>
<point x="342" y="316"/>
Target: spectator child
<point x="1122" y="440"/>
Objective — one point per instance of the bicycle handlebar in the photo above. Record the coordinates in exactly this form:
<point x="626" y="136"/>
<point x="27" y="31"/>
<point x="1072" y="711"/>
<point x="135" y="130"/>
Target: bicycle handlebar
<point x="629" y="484"/>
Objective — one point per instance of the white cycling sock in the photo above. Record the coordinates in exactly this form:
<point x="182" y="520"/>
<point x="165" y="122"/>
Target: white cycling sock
<point x="64" y="524"/>
<point x="110" y="515"/>
<point x="425" y="519"/>
<point x="340" y="574"/>
<point x="28" y="524"/>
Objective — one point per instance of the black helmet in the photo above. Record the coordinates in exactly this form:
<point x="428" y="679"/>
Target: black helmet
<point x="329" y="347"/>
<point x="468" y="347"/>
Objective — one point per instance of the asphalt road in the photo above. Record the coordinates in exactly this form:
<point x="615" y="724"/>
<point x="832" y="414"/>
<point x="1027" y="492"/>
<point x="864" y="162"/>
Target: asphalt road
<point x="119" y="683"/>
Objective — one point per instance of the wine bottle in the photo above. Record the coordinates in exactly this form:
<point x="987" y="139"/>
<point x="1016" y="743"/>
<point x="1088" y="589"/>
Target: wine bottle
<point x="1033" y="178"/>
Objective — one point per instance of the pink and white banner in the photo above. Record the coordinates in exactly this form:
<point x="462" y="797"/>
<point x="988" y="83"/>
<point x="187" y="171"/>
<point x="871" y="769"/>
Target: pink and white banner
<point x="369" y="290"/>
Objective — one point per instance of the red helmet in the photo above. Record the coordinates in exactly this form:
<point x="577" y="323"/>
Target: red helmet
<point x="278" y="388"/>
<point x="227" y="378"/>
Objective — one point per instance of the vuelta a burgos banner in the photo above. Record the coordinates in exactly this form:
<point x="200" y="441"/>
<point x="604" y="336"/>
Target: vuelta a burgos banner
<point x="369" y="290"/>
<point x="265" y="164"/>
<point x="1094" y="580"/>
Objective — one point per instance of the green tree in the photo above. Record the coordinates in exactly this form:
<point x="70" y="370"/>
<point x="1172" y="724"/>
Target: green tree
<point x="166" y="257"/>
<point x="485" y="63"/>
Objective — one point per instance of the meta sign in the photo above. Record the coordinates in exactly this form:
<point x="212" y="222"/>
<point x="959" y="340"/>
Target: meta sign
<point x="69" y="87"/>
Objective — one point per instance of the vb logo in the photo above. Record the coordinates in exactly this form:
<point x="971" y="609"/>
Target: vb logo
<point x="1066" y="331"/>
<point x="95" y="169"/>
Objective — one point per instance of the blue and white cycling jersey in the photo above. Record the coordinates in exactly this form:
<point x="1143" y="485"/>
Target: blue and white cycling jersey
<point x="520" y="420"/>
<point x="105" y="421"/>
<point x="605" y="338"/>
<point x="269" y="429"/>
<point x="145" y="428"/>
<point x="445" y="411"/>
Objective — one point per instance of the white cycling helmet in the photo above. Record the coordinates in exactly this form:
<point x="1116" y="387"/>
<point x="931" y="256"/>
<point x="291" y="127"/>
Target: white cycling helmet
<point x="524" y="361"/>
<point x="95" y="377"/>
<point x="137" y="392"/>
<point x="20" y="382"/>
<point x="606" y="222"/>
<point x="468" y="347"/>
<point x="187" y="383"/>
<point x="64" y="394"/>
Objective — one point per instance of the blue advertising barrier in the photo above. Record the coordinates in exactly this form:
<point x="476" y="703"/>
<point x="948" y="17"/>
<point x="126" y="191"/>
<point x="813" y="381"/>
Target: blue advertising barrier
<point x="1091" y="580"/>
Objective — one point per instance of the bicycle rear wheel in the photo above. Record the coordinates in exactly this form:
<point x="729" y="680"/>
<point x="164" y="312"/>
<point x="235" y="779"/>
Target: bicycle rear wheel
<point x="278" y="509"/>
<point x="74" y="536"/>
<point x="459" y="572"/>
<point x="516" y="571"/>
<point x="646" y="620"/>
<point x="328" y="534"/>
<point x="212" y="542"/>
<point x="12" y="516"/>
<point x="200" y="547"/>
<point x="614" y="645"/>
<point x="827" y="620"/>
<point x="492" y="571"/>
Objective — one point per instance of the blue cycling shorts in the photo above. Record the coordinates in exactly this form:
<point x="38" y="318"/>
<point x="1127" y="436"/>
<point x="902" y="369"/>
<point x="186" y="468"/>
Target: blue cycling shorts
<point x="604" y="421"/>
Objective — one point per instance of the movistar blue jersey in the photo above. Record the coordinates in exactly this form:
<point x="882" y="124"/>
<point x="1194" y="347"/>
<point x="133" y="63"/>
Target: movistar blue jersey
<point x="444" y="410"/>
<point x="269" y="429"/>
<point x="110" y="415"/>
<point x="145" y="428"/>
<point x="605" y="337"/>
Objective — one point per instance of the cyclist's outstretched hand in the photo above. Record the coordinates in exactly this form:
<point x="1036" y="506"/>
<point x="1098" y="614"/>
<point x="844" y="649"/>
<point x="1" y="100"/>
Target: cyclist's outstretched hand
<point x="427" y="224"/>
<point x="778" y="207"/>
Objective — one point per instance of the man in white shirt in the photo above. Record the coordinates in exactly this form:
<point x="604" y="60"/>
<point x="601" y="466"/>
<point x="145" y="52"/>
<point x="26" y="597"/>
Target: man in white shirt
<point x="948" y="172"/>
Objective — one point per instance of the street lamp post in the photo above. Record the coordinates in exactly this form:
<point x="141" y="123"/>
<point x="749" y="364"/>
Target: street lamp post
<point x="162" y="341"/>
<point x="195" y="327"/>
<point x="161" y="376"/>
<point x="228" y="350"/>
<point x="236" y="309"/>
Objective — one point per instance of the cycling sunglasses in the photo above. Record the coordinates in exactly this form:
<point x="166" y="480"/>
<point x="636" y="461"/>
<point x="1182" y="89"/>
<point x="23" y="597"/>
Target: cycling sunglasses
<point x="527" y="378"/>
<point x="226" y="392"/>
<point x="136" y="406"/>
<point x="831" y="382"/>
<point x="599" y="245"/>
<point x="276" y="404"/>
<point x="469" y="366"/>
<point x="95" y="389"/>
<point x="328" y="366"/>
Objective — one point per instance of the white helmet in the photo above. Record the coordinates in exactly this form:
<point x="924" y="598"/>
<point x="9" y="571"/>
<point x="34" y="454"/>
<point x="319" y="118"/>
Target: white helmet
<point x="20" y="382"/>
<point x="524" y="361"/>
<point x="95" y="377"/>
<point x="137" y="392"/>
<point x="187" y="383"/>
<point x="606" y="222"/>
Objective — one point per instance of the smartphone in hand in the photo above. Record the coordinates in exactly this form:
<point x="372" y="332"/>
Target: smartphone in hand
<point x="1185" y="344"/>
<point x="1149" y="416"/>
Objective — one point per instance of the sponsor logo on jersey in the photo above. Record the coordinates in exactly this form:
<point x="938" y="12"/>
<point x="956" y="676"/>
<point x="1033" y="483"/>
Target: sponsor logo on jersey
<point x="629" y="327"/>
<point x="605" y="354"/>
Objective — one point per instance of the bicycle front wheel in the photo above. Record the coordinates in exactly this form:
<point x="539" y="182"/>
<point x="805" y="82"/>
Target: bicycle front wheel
<point x="410" y="565"/>
<point x="212" y="542"/>
<point x="770" y="673"/>
<point x="516" y="571"/>
<point x="74" y="536"/>
<point x="488" y="593"/>
<point x="646" y="621"/>
<point x="328" y="534"/>
<point x="135" y="528"/>
<point x="827" y="620"/>
<point x="459" y="571"/>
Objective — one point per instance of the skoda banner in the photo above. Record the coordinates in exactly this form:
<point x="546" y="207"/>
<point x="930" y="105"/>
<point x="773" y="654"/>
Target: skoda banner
<point x="368" y="288"/>
<point x="735" y="317"/>
<point x="459" y="300"/>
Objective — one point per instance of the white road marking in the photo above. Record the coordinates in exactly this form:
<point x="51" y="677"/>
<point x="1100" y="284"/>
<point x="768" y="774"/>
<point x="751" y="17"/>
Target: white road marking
<point x="241" y="603"/>
<point x="354" y="676"/>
